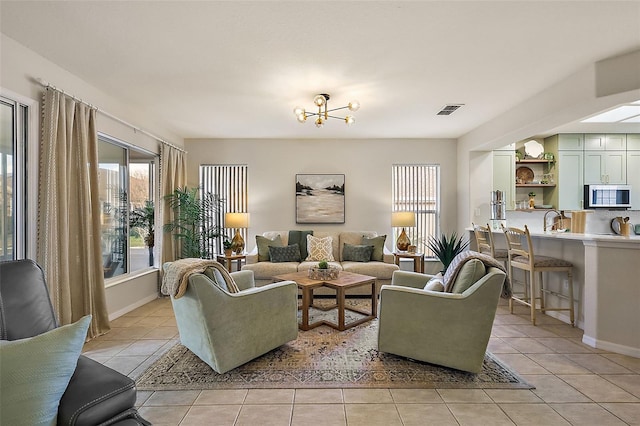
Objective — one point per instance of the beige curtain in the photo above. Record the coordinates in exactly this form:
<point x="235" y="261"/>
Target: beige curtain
<point x="69" y="247"/>
<point x="173" y="174"/>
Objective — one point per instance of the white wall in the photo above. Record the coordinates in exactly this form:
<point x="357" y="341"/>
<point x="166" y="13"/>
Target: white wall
<point x="366" y="164"/>
<point x="19" y="67"/>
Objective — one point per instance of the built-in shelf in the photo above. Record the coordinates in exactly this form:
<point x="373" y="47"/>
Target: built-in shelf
<point x="535" y="185"/>
<point x="534" y="161"/>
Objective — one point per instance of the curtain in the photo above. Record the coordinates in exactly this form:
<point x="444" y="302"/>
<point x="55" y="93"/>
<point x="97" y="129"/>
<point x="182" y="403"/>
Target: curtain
<point x="68" y="245"/>
<point x="173" y="174"/>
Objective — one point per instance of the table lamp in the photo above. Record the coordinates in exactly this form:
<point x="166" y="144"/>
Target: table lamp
<point x="403" y="219"/>
<point x="237" y="221"/>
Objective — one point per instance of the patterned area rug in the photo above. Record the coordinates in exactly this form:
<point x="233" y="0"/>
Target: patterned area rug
<point x="323" y="358"/>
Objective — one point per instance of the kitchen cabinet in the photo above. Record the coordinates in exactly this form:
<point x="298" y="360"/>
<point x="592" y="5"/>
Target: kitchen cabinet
<point x="633" y="177"/>
<point x="569" y="141"/>
<point x="504" y="175"/>
<point x="605" y="167"/>
<point x="633" y="142"/>
<point x="569" y="191"/>
<point x="609" y="142"/>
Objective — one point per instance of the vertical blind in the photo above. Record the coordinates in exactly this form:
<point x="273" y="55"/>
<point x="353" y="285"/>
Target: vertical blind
<point x="227" y="183"/>
<point x="416" y="188"/>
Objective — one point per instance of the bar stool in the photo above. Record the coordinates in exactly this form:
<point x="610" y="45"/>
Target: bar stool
<point x="485" y="243"/>
<point x="521" y="257"/>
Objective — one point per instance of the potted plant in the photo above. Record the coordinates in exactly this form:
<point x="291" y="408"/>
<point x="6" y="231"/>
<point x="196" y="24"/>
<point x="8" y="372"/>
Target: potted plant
<point x="447" y="247"/>
<point x="228" y="250"/>
<point x="143" y="218"/>
<point x="193" y="223"/>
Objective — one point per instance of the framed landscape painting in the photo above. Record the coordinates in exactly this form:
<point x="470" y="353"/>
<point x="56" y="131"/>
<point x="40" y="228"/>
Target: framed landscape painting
<point x="319" y="198"/>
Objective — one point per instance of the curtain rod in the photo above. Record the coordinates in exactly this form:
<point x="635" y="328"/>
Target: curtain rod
<point x="48" y="85"/>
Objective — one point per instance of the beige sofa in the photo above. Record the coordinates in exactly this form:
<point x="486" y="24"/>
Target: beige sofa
<point x="264" y="271"/>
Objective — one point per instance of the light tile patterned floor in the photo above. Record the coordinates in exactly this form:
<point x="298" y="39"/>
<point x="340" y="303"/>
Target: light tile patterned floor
<point x="575" y="384"/>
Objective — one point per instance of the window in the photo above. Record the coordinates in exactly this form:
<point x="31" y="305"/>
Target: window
<point x="13" y="195"/>
<point x="127" y="184"/>
<point x="416" y="188"/>
<point x="228" y="183"/>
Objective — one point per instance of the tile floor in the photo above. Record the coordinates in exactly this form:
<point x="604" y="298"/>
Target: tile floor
<point x="575" y="384"/>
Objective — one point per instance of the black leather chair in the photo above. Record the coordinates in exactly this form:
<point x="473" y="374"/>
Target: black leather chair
<point x="96" y="395"/>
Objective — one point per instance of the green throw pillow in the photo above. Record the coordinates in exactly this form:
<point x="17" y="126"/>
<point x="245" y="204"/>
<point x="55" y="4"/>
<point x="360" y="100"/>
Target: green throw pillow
<point x="290" y="253"/>
<point x="300" y="237"/>
<point x="263" y="244"/>
<point x="35" y="372"/>
<point x="378" y="246"/>
<point x="356" y="253"/>
<point x="470" y="273"/>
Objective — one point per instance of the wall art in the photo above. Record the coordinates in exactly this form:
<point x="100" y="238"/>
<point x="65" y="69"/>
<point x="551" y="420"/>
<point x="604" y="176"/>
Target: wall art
<point x="320" y="198"/>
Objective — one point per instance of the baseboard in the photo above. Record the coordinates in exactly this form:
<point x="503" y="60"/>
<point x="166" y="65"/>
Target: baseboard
<point x="611" y="347"/>
<point x="131" y="307"/>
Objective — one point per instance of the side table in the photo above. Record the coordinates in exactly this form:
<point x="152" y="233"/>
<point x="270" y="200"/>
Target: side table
<point x="227" y="261"/>
<point x="418" y="259"/>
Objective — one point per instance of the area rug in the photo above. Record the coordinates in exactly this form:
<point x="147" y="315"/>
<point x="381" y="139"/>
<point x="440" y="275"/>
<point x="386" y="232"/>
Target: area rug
<point x="324" y="358"/>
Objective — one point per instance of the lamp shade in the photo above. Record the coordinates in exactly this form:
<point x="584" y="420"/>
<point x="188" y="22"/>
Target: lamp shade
<point x="402" y="219"/>
<point x="236" y="220"/>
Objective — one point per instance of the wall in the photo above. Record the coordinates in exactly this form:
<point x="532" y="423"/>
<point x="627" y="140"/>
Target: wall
<point x="366" y="164"/>
<point x="19" y="67"/>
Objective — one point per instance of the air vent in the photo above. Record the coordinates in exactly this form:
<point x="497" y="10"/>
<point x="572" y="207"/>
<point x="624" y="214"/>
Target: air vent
<point x="449" y="109"/>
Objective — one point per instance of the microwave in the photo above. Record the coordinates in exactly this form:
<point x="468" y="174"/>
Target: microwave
<point x="607" y="196"/>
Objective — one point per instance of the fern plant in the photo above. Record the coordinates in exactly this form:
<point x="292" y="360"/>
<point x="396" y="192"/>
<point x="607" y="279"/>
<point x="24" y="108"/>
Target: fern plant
<point x="193" y="224"/>
<point x="447" y="247"/>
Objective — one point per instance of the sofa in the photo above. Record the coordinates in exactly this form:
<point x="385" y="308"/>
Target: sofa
<point x="265" y="269"/>
<point x="82" y="391"/>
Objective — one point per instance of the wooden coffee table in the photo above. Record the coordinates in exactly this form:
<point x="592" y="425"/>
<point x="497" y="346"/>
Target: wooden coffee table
<point x="345" y="280"/>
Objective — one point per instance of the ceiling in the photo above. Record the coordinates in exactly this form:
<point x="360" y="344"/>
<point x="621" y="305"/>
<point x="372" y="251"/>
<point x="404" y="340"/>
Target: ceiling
<point x="234" y="69"/>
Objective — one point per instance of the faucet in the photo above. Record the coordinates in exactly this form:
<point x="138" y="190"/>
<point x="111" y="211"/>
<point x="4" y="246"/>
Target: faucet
<point x="558" y="214"/>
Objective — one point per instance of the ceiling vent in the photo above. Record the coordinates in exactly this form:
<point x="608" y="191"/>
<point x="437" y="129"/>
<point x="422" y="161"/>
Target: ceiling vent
<point x="449" y="109"/>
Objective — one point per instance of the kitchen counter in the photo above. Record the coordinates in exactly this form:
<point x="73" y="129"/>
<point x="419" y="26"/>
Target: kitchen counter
<point x="606" y="283"/>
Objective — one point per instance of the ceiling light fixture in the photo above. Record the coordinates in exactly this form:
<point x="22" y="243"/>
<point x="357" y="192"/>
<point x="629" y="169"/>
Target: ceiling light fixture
<point x="322" y="115"/>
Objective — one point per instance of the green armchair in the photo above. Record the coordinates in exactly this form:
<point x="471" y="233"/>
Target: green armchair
<point x="449" y="329"/>
<point x="226" y="330"/>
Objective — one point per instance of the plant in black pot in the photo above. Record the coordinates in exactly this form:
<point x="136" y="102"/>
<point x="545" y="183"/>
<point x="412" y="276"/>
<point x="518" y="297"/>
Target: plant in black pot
<point x="446" y="248"/>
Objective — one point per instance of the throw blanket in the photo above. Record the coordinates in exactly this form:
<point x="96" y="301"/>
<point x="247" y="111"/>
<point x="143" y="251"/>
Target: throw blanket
<point x="176" y="275"/>
<point x="456" y="264"/>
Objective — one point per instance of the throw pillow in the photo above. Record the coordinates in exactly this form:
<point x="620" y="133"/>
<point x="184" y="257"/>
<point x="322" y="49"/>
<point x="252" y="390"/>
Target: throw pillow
<point x="35" y="372"/>
<point x="471" y="271"/>
<point x="378" y="246"/>
<point x="436" y="283"/>
<point x="300" y="237"/>
<point x="319" y="249"/>
<point x="263" y="244"/>
<point x="356" y="253"/>
<point x="290" y="253"/>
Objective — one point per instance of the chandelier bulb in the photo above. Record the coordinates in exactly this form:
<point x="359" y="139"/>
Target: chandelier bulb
<point x="298" y="110"/>
<point x="354" y="105"/>
<point x="349" y="119"/>
<point x="302" y="118"/>
<point x="319" y="122"/>
<point x="319" y="100"/>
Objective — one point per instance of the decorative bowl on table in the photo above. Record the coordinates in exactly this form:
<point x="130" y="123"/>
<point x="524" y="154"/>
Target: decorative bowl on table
<point x="330" y="273"/>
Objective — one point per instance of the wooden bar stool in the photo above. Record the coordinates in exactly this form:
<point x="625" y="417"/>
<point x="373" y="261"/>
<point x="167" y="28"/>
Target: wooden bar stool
<point x="522" y="257"/>
<point x="485" y="243"/>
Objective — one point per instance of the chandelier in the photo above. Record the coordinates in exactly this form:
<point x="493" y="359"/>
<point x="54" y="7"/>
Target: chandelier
<point x="322" y="115"/>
